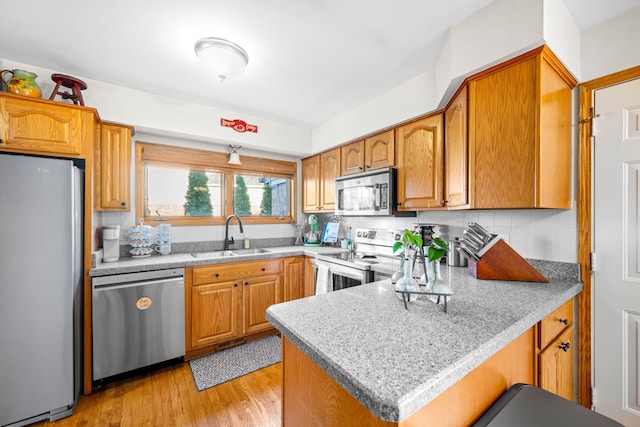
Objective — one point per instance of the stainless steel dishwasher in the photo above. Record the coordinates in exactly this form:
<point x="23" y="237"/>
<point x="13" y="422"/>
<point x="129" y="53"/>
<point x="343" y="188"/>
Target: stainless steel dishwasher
<point x="137" y="319"/>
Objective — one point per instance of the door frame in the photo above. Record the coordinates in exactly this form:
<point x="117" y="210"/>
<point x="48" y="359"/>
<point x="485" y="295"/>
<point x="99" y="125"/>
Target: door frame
<point x="585" y="218"/>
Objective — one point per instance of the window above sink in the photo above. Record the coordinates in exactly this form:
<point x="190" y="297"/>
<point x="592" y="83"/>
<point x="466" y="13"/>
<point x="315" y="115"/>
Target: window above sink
<point x="195" y="187"/>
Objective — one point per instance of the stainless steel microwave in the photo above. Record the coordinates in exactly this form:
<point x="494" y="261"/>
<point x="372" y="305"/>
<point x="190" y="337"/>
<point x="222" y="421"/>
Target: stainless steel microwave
<point x="370" y="193"/>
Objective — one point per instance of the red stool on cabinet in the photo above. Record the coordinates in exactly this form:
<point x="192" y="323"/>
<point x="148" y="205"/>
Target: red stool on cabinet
<point x="76" y="86"/>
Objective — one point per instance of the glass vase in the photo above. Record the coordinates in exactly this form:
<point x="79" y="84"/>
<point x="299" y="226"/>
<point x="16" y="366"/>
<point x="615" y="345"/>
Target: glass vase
<point x="407" y="283"/>
<point x="436" y="283"/>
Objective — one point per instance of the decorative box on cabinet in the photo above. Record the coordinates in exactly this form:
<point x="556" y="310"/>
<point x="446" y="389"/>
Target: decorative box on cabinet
<point x="226" y="302"/>
<point x="112" y="167"/>
<point x="374" y="152"/>
<point x="520" y="134"/>
<point x="45" y="127"/>
<point x="318" y="181"/>
<point x="420" y="163"/>
<point x="555" y="352"/>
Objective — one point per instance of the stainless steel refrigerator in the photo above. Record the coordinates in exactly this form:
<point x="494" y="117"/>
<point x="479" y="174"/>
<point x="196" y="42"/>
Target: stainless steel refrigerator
<point x="40" y="288"/>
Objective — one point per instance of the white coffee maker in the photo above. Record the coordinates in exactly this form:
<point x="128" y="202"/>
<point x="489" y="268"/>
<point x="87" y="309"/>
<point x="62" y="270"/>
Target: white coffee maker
<point x="111" y="243"/>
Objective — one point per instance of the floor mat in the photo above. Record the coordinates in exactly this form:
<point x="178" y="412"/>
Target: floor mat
<point x="225" y="365"/>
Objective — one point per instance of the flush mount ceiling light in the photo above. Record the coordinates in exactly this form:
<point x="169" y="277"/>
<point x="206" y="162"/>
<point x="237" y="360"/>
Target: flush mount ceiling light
<point x="224" y="58"/>
<point x="234" y="157"/>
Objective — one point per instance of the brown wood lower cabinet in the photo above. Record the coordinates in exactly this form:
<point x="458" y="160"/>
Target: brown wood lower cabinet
<point x="226" y="303"/>
<point x="303" y="381"/>
<point x="555" y="352"/>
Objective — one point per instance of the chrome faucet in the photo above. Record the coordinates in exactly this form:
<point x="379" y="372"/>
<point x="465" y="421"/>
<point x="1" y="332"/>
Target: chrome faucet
<point x="229" y="241"/>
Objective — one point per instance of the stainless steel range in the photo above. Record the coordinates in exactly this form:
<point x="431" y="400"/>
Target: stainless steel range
<point x="373" y="249"/>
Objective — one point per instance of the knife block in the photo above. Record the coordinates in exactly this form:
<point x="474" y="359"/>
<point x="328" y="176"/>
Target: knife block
<point x="501" y="262"/>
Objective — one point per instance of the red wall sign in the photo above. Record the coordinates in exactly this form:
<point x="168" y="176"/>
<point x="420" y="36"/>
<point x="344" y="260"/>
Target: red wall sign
<point x="239" y="125"/>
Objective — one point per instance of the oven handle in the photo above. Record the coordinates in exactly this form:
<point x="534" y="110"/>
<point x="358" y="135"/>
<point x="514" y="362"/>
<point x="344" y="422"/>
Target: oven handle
<point x="340" y="270"/>
<point x="377" y="197"/>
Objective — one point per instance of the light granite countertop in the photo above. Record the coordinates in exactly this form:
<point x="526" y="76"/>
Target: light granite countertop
<point x="160" y="262"/>
<point x="395" y="361"/>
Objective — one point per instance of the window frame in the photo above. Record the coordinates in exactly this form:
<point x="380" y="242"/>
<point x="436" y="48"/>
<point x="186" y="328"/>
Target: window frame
<point x="192" y="158"/>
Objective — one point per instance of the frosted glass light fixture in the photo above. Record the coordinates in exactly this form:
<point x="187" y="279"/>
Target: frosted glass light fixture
<point x="234" y="157"/>
<point x="223" y="58"/>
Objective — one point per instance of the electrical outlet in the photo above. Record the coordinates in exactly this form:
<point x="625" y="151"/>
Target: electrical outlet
<point x="504" y="237"/>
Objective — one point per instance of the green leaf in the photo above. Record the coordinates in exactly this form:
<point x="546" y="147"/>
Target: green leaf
<point x="396" y="246"/>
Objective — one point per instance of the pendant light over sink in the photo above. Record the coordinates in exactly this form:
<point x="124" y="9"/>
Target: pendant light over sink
<point x="223" y="58"/>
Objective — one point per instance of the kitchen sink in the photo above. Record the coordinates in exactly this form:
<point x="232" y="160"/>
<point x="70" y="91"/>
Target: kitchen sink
<point x="214" y="254"/>
<point x="250" y="251"/>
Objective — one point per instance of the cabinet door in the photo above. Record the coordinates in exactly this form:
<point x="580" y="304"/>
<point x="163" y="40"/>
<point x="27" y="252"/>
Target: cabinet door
<point x="311" y="184"/>
<point x="379" y="151"/>
<point x="259" y="293"/>
<point x="456" y="178"/>
<point x="556" y="365"/>
<point x="43" y="127"/>
<point x="503" y="125"/>
<point x="112" y="168"/>
<point x="352" y="158"/>
<point x="293" y="278"/>
<point x="309" y="278"/>
<point x="420" y="162"/>
<point x="329" y="171"/>
<point x="215" y="313"/>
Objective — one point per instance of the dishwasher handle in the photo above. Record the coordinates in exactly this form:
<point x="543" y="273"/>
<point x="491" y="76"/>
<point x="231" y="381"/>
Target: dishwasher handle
<point x="112" y="286"/>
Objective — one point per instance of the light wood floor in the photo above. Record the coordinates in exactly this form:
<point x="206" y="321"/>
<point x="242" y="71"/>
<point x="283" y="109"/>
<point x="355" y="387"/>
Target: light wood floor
<point x="168" y="397"/>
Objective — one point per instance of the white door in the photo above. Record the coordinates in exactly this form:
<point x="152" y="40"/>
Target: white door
<point x="616" y="281"/>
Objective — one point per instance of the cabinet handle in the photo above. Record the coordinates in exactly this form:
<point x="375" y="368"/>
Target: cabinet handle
<point x="264" y="269"/>
<point x="123" y="204"/>
<point x="565" y="321"/>
<point x="564" y="346"/>
<point x="1" y="141"/>
<point x="367" y="166"/>
<point x="235" y="285"/>
<point x="217" y="274"/>
<point x="246" y="283"/>
<point x="359" y="167"/>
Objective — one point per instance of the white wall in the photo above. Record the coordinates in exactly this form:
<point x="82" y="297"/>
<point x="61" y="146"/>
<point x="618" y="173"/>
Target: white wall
<point x="161" y="114"/>
<point x="610" y="46"/>
<point x="411" y="99"/>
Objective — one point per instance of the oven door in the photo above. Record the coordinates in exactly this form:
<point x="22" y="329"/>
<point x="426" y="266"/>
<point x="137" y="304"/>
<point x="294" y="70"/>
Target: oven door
<point x="341" y="277"/>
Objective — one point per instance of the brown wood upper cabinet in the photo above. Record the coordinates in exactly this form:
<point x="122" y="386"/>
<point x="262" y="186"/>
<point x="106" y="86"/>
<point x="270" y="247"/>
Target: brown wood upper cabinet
<point x="374" y="152"/>
<point x="456" y="147"/>
<point x="319" y="173"/>
<point x="420" y="163"/>
<point x="520" y="134"/>
<point x="112" y="167"/>
<point x="45" y="127"/>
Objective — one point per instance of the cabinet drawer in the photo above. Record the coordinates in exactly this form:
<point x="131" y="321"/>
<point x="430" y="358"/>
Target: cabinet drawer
<point x="555" y="323"/>
<point x="235" y="270"/>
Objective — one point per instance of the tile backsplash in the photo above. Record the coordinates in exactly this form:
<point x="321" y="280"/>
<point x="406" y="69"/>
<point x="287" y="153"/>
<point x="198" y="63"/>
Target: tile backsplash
<point x="546" y="234"/>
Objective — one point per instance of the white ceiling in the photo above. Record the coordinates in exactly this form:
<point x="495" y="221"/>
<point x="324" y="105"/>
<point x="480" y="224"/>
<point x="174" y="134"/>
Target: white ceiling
<point x="310" y="61"/>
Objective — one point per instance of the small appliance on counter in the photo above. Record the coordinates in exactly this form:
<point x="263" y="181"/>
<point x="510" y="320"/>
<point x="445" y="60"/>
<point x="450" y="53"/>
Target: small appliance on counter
<point x="312" y="238"/>
<point x="111" y="243"/>
<point x="492" y="258"/>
